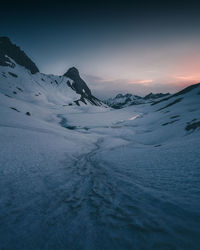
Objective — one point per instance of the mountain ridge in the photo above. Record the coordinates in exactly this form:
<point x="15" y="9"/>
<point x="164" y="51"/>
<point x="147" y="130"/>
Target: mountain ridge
<point x="121" y="101"/>
<point x="13" y="57"/>
<point x="8" y="49"/>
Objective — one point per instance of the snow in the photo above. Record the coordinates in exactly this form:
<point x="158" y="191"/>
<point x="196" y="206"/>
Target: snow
<point x="124" y="100"/>
<point x="93" y="177"/>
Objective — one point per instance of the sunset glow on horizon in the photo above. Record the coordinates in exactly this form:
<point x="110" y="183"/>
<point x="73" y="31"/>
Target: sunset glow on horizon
<point x="117" y="47"/>
<point x="140" y="81"/>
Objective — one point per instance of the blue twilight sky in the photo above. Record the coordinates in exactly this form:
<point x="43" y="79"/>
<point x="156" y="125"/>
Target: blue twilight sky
<point x="125" y="46"/>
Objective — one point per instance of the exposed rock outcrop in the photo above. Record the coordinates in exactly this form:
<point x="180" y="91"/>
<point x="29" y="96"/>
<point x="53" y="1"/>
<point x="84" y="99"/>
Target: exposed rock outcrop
<point x="81" y="87"/>
<point x="10" y="50"/>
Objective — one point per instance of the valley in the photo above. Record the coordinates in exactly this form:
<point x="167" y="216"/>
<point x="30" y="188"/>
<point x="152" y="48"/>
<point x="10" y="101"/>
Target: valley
<point x="78" y="174"/>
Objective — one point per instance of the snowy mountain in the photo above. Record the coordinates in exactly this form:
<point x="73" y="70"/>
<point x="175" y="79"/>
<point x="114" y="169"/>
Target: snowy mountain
<point x="121" y="101"/>
<point x="20" y="79"/>
<point x="152" y="96"/>
<point x="91" y="177"/>
<point x="181" y="109"/>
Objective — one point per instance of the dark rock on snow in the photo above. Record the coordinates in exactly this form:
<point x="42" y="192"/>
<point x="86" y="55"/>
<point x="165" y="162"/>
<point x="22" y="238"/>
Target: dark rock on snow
<point x="10" y="50"/>
<point x="80" y="87"/>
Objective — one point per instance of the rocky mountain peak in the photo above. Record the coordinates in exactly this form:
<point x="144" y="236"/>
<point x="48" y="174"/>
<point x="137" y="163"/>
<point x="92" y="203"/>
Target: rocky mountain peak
<point x="4" y="39"/>
<point x="10" y="50"/>
<point x="72" y="73"/>
<point x="78" y="83"/>
<point x="80" y="86"/>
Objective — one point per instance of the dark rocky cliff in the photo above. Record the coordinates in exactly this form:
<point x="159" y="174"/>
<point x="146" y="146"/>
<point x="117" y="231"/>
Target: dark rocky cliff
<point x="81" y="87"/>
<point x="10" y="50"/>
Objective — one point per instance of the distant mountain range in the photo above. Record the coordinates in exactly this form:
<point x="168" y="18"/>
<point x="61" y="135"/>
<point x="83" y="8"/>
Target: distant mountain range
<point x="121" y="101"/>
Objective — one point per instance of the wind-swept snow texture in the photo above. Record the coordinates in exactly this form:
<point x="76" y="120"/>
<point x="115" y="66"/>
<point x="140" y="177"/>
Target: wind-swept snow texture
<point x="88" y="177"/>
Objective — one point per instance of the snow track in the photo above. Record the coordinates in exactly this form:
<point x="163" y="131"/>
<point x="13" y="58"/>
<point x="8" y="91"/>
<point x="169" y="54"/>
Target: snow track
<point x="91" y="178"/>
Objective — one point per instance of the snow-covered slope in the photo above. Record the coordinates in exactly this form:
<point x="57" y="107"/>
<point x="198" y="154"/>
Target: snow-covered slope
<point x="121" y="101"/>
<point x="181" y="110"/>
<point x="71" y="176"/>
<point x="20" y="79"/>
<point x="90" y="177"/>
<point x="18" y="83"/>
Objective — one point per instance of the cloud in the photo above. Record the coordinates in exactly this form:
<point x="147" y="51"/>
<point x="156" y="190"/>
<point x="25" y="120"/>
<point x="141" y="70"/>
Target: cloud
<point x="187" y="78"/>
<point x="140" y="81"/>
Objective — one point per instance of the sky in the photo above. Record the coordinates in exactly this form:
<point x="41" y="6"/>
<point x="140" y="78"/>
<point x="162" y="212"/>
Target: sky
<point x="118" y="46"/>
